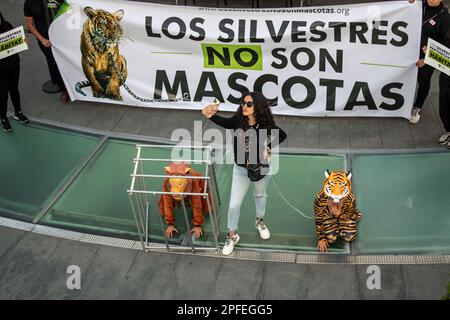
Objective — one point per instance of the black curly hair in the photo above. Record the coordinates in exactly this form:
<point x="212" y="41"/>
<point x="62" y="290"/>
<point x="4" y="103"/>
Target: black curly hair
<point x="263" y="115"/>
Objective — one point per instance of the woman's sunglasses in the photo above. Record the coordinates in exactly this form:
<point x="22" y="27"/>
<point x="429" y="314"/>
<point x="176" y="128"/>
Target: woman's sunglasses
<point x="248" y="104"/>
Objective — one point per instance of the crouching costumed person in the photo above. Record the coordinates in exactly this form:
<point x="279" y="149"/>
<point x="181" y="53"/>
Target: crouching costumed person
<point x="179" y="185"/>
<point x="335" y="210"/>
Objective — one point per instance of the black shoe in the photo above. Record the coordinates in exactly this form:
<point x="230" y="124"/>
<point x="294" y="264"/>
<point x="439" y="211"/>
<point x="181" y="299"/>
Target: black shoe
<point x="6" y="125"/>
<point x="21" y="118"/>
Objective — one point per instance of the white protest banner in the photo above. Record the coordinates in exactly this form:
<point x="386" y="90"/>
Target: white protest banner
<point x="12" y="42"/>
<point x="348" y="60"/>
<point x="438" y="56"/>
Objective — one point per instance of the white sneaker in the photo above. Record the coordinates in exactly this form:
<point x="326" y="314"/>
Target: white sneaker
<point x="415" y="116"/>
<point x="264" y="232"/>
<point x="229" y="245"/>
<point x="444" y="139"/>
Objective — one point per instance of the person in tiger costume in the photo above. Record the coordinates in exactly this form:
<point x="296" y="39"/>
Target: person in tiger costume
<point x="335" y="210"/>
<point x="104" y="67"/>
<point x="168" y="202"/>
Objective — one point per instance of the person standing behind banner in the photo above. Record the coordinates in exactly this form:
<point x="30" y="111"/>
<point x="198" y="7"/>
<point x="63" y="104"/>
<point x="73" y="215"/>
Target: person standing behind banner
<point x="435" y="28"/>
<point x="36" y="21"/>
<point x="444" y="94"/>
<point x="9" y="83"/>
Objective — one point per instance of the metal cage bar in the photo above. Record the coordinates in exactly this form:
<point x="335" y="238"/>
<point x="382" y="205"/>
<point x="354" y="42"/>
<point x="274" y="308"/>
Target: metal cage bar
<point x="167" y="176"/>
<point x="139" y="201"/>
<point x="172" y="146"/>
<point x="161" y="222"/>
<point x="167" y="192"/>
<point x="188" y="226"/>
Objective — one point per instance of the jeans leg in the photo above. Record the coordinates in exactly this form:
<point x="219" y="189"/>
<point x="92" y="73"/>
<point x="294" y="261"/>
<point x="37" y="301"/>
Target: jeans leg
<point x="261" y="196"/>
<point x="239" y="187"/>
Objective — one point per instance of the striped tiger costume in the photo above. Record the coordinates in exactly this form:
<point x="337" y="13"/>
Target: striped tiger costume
<point x="337" y="189"/>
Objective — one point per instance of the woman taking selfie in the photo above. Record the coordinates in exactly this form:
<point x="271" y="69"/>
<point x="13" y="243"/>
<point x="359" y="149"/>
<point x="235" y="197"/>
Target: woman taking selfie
<point x="255" y="133"/>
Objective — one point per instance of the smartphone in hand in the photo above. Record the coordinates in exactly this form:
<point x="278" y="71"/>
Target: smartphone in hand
<point x="216" y="103"/>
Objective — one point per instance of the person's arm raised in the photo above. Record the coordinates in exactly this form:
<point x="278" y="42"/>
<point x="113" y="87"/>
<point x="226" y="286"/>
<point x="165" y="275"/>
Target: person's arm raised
<point x="210" y="113"/>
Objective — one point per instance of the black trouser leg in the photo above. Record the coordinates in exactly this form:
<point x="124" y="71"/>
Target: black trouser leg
<point x="424" y="80"/>
<point x="14" y="75"/>
<point x="52" y="66"/>
<point x="4" y="85"/>
<point x="444" y="100"/>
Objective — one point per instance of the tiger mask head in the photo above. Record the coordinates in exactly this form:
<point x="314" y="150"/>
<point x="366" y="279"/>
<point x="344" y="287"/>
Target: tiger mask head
<point x="337" y="184"/>
<point x="104" y="27"/>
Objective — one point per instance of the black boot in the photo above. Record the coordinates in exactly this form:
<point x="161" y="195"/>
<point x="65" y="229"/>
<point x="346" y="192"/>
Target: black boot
<point x="6" y="125"/>
<point x="21" y="118"/>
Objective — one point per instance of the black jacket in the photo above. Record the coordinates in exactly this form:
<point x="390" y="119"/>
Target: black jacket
<point x="256" y="143"/>
<point x="434" y="24"/>
<point x="11" y="61"/>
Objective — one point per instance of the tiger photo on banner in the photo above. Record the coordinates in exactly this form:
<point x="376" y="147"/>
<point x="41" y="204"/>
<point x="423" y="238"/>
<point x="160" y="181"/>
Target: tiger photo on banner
<point x="104" y="67"/>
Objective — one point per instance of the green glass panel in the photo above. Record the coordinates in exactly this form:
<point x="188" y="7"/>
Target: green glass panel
<point x="98" y="201"/>
<point x="291" y="190"/>
<point x="35" y="161"/>
<point x="405" y="203"/>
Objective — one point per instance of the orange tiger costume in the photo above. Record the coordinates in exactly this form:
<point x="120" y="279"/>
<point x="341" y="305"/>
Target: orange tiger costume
<point x="336" y="196"/>
<point x="168" y="202"/>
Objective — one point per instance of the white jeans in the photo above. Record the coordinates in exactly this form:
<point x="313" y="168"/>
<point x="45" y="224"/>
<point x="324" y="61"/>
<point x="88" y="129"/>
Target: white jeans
<point x="239" y="187"/>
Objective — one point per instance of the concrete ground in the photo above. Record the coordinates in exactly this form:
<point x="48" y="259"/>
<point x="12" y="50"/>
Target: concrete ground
<point x="34" y="266"/>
